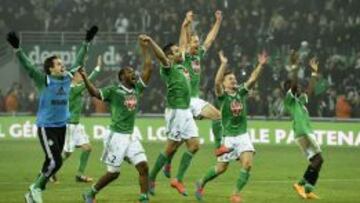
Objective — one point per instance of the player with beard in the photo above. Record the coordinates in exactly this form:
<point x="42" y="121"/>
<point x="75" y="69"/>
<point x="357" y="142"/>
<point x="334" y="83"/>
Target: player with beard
<point x="120" y="144"/>
<point x="232" y="98"/>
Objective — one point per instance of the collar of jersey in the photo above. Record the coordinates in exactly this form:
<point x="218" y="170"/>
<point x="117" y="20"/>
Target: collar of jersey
<point x="126" y="89"/>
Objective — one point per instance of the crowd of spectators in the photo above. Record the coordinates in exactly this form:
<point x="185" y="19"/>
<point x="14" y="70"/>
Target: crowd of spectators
<point x="327" y="29"/>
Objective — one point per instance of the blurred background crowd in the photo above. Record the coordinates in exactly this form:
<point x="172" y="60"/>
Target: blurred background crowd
<point x="327" y="29"/>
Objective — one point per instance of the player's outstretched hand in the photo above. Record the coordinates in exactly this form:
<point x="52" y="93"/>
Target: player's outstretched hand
<point x="263" y="58"/>
<point x="223" y="58"/>
<point x="314" y="65"/>
<point x="90" y="34"/>
<point x="13" y="39"/>
<point x="144" y="40"/>
<point x="218" y="15"/>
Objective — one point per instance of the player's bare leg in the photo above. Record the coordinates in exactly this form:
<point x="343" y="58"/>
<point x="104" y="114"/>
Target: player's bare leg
<point x="143" y="170"/>
<point x="163" y="157"/>
<point x="245" y="161"/>
<point x="108" y="177"/>
<point x="210" y="112"/>
<point x="192" y="145"/>
<point x="211" y="174"/>
<point x="167" y="167"/>
<point x="84" y="157"/>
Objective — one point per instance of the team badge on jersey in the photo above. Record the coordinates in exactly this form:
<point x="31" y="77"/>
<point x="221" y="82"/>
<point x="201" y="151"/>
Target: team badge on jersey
<point x="130" y="102"/>
<point x="236" y="107"/>
<point x="186" y="73"/>
<point x="196" y="66"/>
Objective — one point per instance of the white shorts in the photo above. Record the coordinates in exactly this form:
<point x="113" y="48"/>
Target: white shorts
<point x="119" y="147"/>
<point x="180" y="124"/>
<point x="197" y="105"/>
<point x="308" y="145"/>
<point x="75" y="136"/>
<point x="239" y="144"/>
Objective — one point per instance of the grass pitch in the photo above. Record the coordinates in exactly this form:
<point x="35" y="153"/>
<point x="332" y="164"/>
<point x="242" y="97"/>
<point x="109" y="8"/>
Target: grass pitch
<point x="275" y="169"/>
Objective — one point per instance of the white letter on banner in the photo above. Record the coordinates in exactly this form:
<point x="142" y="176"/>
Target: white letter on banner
<point x="1" y="133"/>
<point x="137" y="133"/>
<point x="280" y="135"/>
<point x="347" y="138"/>
<point x="264" y="136"/>
<point x="320" y="134"/>
<point x="99" y="132"/>
<point x="15" y="130"/>
<point x="357" y="140"/>
<point x="291" y="137"/>
<point x="28" y="130"/>
<point x="160" y="133"/>
<point x="331" y="138"/>
<point x="211" y="136"/>
<point x="150" y="135"/>
<point x="253" y="135"/>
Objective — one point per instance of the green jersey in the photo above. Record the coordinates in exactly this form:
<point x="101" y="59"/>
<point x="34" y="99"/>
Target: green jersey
<point x="233" y="112"/>
<point x="76" y="98"/>
<point x="299" y="113"/>
<point x="177" y="81"/>
<point x="193" y="64"/>
<point x="123" y="105"/>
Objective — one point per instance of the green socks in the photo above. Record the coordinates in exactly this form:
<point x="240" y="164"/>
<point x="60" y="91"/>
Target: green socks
<point x="84" y="157"/>
<point x="160" y="162"/>
<point x="243" y="179"/>
<point x="92" y="191"/>
<point x="169" y="159"/>
<point x="40" y="181"/>
<point x="184" y="165"/>
<point x="210" y="175"/>
<point x="217" y="129"/>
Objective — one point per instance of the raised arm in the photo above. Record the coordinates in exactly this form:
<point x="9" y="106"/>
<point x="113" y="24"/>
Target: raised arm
<point x="26" y="63"/>
<point x="294" y="65"/>
<point x="184" y="32"/>
<point x="97" y="69"/>
<point x="93" y="91"/>
<point x="262" y="59"/>
<point x="314" y="65"/>
<point x="159" y="54"/>
<point x="214" y="30"/>
<point x="219" y="78"/>
<point x="81" y="54"/>
<point x="147" y="65"/>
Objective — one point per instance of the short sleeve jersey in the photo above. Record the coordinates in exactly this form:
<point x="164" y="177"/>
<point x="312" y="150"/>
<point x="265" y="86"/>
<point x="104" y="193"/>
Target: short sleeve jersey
<point x="124" y="104"/>
<point x="193" y="64"/>
<point x="295" y="106"/>
<point x="233" y="111"/>
<point x="177" y="79"/>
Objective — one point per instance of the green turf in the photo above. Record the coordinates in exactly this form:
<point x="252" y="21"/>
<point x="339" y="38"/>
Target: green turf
<point x="275" y="169"/>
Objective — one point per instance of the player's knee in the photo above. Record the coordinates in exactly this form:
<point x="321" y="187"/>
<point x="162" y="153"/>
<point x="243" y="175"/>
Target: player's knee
<point x="217" y="115"/>
<point x="87" y="148"/>
<point x="58" y="163"/>
<point x="193" y="148"/>
<point x="143" y="169"/>
<point x="247" y="165"/>
<point x="221" y="169"/>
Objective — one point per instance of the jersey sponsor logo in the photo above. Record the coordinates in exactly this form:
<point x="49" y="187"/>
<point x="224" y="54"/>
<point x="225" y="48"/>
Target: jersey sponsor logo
<point x="130" y="102"/>
<point x="236" y="107"/>
<point x="59" y="102"/>
<point x="196" y="66"/>
<point x="186" y="73"/>
<point x="61" y="91"/>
